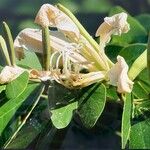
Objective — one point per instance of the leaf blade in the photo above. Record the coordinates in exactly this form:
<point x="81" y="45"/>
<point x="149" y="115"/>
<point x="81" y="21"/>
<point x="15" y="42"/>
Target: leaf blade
<point x="10" y="107"/>
<point x="35" y="100"/>
<point x="61" y="117"/>
<point x="138" y="65"/>
<point x="140" y="137"/>
<point x="91" y="110"/>
<point x="126" y="124"/>
<point x="17" y="86"/>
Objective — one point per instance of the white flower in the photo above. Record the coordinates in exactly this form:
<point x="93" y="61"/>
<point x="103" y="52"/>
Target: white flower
<point x="65" y="55"/>
<point x="49" y="15"/>
<point x="71" y="51"/>
<point x="70" y="75"/>
<point x="31" y="39"/>
<point x="115" y="25"/>
<point x="118" y="76"/>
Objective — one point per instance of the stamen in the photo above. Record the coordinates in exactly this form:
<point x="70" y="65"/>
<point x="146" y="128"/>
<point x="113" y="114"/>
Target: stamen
<point x="51" y="60"/>
<point x="58" y="61"/>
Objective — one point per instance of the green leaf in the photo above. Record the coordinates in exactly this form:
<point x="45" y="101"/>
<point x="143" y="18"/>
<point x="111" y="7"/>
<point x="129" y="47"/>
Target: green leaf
<point x="145" y="86"/>
<point x="143" y="107"/>
<point x="139" y="136"/>
<point x="144" y="19"/>
<point x="112" y="93"/>
<point x="59" y="95"/>
<point x="126" y="120"/>
<point x="8" y="110"/>
<point x="17" y="86"/>
<point x="30" y="61"/>
<point x="132" y="52"/>
<point x="137" y="33"/>
<point x="144" y="76"/>
<point x="35" y="125"/>
<point x="112" y="51"/>
<point x="139" y="90"/>
<point x="30" y="108"/>
<point x="3" y="49"/>
<point x="2" y="88"/>
<point x="138" y="65"/>
<point x="92" y="106"/>
<point x="24" y="137"/>
<point x="61" y="117"/>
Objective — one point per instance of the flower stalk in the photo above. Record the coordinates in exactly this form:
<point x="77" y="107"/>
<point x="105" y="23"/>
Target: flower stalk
<point x="46" y="48"/>
<point x="9" y="41"/>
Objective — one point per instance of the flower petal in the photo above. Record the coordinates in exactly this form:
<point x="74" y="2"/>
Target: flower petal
<point x="115" y="25"/>
<point x="49" y="15"/>
<point x="31" y="39"/>
<point x="118" y="76"/>
<point x="119" y="23"/>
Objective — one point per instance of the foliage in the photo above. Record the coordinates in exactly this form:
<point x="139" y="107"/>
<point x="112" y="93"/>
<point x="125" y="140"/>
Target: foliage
<point x="23" y="101"/>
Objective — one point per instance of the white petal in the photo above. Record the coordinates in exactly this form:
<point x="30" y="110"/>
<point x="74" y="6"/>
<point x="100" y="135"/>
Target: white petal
<point x="49" y="15"/>
<point x="115" y="25"/>
<point x="31" y="39"/>
<point x="118" y="76"/>
<point x="118" y="22"/>
<point x="10" y="73"/>
<point x="104" y="31"/>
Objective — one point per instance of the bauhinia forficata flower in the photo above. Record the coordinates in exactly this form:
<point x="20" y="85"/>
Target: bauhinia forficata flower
<point x="71" y="51"/>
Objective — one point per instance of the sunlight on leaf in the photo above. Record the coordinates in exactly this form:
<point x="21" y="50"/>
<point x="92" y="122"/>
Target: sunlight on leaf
<point x="126" y="120"/>
<point x="138" y="65"/>
<point x="2" y="88"/>
<point x="17" y="86"/>
<point x="61" y="117"/>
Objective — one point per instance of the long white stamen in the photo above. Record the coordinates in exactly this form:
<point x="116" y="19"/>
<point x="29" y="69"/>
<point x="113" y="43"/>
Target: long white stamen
<point x="51" y="59"/>
<point x="58" y="61"/>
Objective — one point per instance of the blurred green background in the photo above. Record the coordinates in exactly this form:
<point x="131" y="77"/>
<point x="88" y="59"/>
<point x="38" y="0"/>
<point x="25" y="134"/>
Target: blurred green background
<point x="20" y="14"/>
